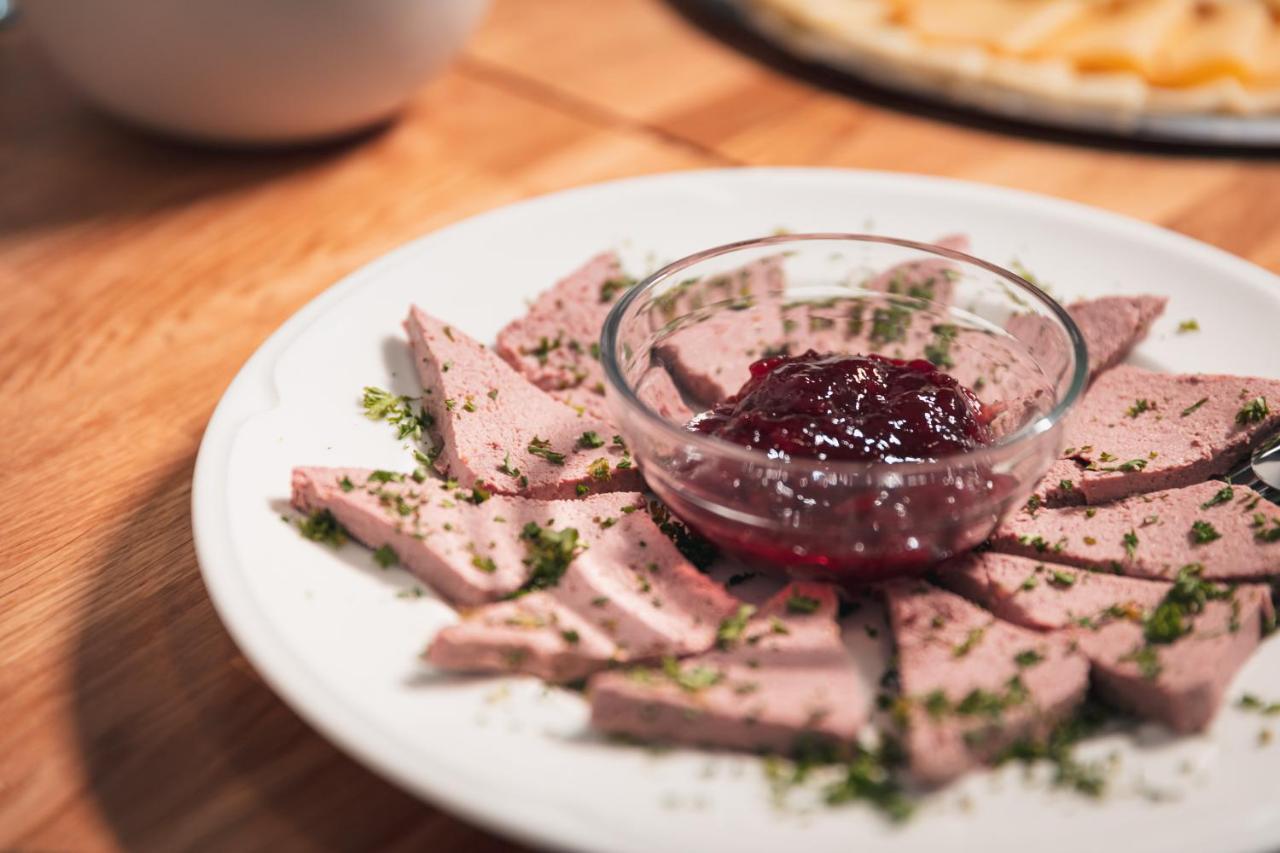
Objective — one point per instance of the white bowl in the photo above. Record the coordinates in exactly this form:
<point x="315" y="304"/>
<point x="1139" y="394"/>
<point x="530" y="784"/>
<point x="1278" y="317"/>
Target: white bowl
<point x="252" y="71"/>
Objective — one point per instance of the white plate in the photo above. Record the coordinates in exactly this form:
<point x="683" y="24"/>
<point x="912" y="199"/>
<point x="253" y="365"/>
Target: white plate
<point x="329" y="633"/>
<point x="1262" y="131"/>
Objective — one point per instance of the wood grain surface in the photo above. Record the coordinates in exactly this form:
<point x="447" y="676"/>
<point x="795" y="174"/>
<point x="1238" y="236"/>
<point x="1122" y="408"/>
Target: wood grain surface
<point x="137" y="275"/>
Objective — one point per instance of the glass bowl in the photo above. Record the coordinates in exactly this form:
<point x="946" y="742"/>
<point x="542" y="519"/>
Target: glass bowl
<point x="683" y="339"/>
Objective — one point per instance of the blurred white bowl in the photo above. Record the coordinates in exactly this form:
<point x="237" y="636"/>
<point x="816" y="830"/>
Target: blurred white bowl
<point x="252" y="71"/>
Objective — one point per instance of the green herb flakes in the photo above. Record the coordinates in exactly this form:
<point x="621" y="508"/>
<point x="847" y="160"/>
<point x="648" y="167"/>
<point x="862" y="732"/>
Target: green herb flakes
<point x="549" y="553"/>
<point x="1221" y="496"/>
<point x="1252" y="412"/>
<point x="1202" y="532"/>
<point x="321" y="526"/>
<point x="803" y="604"/>
<point x="403" y="413"/>
<point x="1061" y="579"/>
<point x="1194" y="406"/>
<point x="1130" y="541"/>
<point x="385" y="557"/>
<point x="589" y="440"/>
<point x="971" y="641"/>
<point x="731" y="629"/>
<point x="1028" y="658"/>
<point x="1139" y="406"/>
<point x="542" y="447"/>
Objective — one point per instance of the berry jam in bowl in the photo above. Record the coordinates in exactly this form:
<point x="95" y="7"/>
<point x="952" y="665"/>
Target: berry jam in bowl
<point x="838" y="406"/>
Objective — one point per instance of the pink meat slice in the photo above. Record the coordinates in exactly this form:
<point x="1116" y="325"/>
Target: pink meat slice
<point x="1137" y="430"/>
<point x="490" y="419"/>
<point x="1153" y="535"/>
<point x="951" y="653"/>
<point x="788" y="676"/>
<point x="1111" y="327"/>
<point x="1042" y="595"/>
<point x="711" y="357"/>
<point x="468" y="553"/>
<point x="554" y="345"/>
<point x="628" y="597"/>
<point x="932" y="279"/>
<point x="1190" y="677"/>
<point x="1103" y="614"/>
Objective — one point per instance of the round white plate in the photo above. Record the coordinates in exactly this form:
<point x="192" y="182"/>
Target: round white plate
<point x="1261" y="131"/>
<point x="330" y="633"/>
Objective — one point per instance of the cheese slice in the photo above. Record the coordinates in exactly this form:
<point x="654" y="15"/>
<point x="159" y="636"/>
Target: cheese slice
<point x="1223" y="39"/>
<point x="1006" y="26"/>
<point x="1116" y="35"/>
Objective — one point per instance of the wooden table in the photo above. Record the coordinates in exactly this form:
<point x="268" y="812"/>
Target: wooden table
<point x="137" y="275"/>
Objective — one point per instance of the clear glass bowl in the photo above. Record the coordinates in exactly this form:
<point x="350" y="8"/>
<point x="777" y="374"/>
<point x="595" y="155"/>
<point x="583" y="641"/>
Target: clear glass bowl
<point x="683" y="339"/>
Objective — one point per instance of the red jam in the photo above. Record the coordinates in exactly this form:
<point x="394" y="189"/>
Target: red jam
<point x="849" y="407"/>
<point x="855" y="524"/>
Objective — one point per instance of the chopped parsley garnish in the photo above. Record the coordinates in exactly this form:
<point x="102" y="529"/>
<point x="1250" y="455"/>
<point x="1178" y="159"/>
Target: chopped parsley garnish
<point x="730" y="630"/>
<point x="938" y="350"/>
<point x="544" y="348"/>
<point x="612" y="287"/>
<point x="1029" y="583"/>
<point x="1088" y="779"/>
<point x="469" y="405"/>
<point x="397" y="410"/>
<point x="484" y="564"/>
<point x="542" y="447"/>
<point x="1066" y="485"/>
<point x="582" y="490"/>
<point x="1139" y="406"/>
<point x="1223" y="495"/>
<point x="1131" y="465"/>
<point x="590" y="439"/>
<point x="549" y="554"/>
<point x="984" y="703"/>
<point x="1191" y="325"/>
<point x="869" y="777"/>
<point x="385" y="557"/>
<point x="1061" y="579"/>
<point x="1252" y="412"/>
<point x="889" y="324"/>
<point x="321" y="526"/>
<point x="865" y="775"/>
<point x="1197" y="404"/>
<point x="1130" y="541"/>
<point x="971" y="641"/>
<point x="571" y="637"/>
<point x="381" y="476"/>
<point x="1185" y="598"/>
<point x="691" y="679"/>
<point x="1033" y="505"/>
<point x="1202" y="532"/>
<point x="599" y="469"/>
<point x="505" y="467"/>
<point x="1263" y="533"/>
<point x="803" y="604"/>
<point x="1148" y="661"/>
<point x="1027" y="658"/>
<point x="345" y="484"/>
<point x="1037" y="542"/>
<point x="1249" y="702"/>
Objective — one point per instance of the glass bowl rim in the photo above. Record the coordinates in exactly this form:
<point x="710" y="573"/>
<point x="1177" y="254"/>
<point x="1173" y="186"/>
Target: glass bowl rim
<point x="717" y="447"/>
